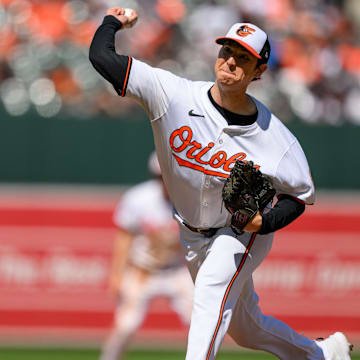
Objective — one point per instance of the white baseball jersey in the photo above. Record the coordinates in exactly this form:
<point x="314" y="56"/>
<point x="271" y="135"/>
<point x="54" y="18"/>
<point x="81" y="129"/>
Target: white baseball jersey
<point x="144" y="212"/>
<point x="197" y="148"/>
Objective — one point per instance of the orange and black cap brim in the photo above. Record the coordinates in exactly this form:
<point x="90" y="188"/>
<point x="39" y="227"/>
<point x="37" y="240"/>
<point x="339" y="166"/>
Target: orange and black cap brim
<point x="221" y="41"/>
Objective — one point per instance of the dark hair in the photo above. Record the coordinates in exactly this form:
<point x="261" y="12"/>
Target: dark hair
<point x="265" y="53"/>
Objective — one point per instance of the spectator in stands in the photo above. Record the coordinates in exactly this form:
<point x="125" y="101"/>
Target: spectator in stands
<point x="43" y="50"/>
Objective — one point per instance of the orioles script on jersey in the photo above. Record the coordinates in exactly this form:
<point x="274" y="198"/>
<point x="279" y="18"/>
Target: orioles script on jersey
<point x="220" y="159"/>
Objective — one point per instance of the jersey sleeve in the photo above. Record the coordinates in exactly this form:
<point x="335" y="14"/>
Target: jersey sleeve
<point x="126" y="214"/>
<point x="293" y="176"/>
<point x="152" y="87"/>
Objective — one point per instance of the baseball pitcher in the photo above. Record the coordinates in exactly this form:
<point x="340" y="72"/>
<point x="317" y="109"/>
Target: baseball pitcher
<point x="224" y="157"/>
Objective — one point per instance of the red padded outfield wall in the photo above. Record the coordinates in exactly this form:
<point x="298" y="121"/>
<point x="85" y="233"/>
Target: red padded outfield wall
<point x="55" y="247"/>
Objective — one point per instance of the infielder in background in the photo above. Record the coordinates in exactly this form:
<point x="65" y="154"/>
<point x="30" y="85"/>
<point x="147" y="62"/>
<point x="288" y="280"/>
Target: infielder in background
<point x="200" y="129"/>
<point x="147" y="260"/>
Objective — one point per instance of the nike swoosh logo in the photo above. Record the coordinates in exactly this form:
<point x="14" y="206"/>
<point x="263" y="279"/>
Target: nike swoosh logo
<point x="191" y="255"/>
<point x="191" y="113"/>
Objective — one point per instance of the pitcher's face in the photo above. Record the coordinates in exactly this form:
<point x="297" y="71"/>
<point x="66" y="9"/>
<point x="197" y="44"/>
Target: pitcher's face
<point x="236" y="67"/>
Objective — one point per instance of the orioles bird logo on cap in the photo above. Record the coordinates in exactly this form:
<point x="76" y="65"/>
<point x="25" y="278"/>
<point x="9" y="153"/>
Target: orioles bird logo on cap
<point x="245" y="30"/>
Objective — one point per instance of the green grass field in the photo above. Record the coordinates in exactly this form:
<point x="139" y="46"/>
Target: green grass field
<point x="90" y="354"/>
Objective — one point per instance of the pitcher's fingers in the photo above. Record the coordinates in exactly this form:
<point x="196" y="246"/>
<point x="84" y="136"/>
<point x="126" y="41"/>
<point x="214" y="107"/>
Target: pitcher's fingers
<point x="133" y="16"/>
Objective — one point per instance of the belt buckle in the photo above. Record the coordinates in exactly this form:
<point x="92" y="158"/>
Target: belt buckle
<point x="205" y="232"/>
<point x="208" y="232"/>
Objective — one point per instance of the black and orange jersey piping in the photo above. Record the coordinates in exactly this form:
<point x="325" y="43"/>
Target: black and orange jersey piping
<point x="113" y="67"/>
<point x="128" y="68"/>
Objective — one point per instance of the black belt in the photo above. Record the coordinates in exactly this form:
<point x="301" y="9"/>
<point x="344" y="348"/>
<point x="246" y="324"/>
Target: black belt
<point x="206" y="232"/>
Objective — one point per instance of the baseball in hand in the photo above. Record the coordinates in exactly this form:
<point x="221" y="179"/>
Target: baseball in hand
<point x="130" y="13"/>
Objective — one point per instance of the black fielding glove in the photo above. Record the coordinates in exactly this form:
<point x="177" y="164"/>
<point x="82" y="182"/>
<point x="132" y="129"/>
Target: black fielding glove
<point x="246" y="191"/>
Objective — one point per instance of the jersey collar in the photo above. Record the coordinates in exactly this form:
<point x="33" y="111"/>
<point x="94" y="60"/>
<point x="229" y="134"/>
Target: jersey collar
<point x="229" y="129"/>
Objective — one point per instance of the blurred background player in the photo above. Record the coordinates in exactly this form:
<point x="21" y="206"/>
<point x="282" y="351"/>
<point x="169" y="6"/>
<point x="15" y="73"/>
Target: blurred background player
<point x="147" y="260"/>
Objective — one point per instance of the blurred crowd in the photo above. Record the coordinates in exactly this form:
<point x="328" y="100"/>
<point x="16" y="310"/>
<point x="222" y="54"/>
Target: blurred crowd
<point x="315" y="62"/>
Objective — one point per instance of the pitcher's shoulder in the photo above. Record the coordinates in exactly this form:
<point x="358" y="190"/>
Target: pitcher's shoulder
<point x="272" y="125"/>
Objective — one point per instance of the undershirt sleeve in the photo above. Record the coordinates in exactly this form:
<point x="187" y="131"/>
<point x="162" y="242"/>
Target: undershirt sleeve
<point x="113" y="67"/>
<point x="286" y="210"/>
<point x="152" y="87"/>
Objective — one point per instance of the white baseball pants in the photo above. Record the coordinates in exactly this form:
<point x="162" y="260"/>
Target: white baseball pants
<point x="225" y="300"/>
<point x="138" y="288"/>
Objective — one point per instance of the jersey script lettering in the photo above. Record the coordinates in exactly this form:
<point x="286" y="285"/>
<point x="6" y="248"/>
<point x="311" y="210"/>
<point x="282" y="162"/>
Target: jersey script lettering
<point x="184" y="141"/>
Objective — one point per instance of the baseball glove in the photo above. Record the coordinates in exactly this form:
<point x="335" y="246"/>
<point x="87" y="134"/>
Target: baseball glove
<point x="246" y="191"/>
